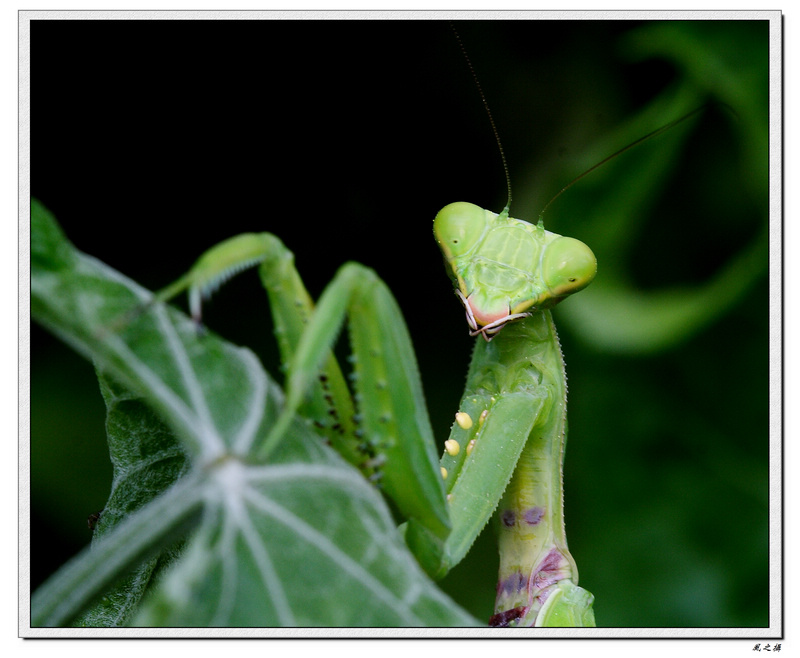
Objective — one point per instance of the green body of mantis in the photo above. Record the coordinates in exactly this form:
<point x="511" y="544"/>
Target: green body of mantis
<point x="511" y="419"/>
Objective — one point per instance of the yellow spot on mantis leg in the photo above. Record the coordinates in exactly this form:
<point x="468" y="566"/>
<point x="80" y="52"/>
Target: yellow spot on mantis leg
<point x="482" y="417"/>
<point x="464" y="420"/>
<point x="444" y="473"/>
<point x="452" y="447"/>
<point x="470" y="446"/>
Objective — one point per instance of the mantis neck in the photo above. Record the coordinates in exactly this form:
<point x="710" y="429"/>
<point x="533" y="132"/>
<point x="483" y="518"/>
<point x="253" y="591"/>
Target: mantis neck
<point x="530" y="519"/>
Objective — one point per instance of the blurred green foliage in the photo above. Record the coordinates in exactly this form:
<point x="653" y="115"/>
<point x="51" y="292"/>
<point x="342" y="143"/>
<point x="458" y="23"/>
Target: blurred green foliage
<point x="345" y="138"/>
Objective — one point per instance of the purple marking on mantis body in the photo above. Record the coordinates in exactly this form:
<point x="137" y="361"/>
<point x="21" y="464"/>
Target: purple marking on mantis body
<point x="514" y="583"/>
<point x="508" y="517"/>
<point x="550" y="571"/>
<point x="503" y="619"/>
<point x="533" y="515"/>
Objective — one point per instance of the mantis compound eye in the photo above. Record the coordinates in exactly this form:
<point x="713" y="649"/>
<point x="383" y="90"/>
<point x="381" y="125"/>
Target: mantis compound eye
<point x="568" y="266"/>
<point x="458" y="227"/>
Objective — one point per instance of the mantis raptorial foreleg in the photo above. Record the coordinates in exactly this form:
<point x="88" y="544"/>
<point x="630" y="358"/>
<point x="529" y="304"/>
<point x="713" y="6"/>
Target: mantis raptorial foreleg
<point x="480" y="459"/>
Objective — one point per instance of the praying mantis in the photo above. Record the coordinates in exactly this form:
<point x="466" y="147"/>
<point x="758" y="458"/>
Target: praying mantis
<point x="507" y="444"/>
<point x="506" y="448"/>
<point x="504" y="456"/>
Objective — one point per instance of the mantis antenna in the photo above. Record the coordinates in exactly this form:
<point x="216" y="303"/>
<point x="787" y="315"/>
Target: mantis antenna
<point x="636" y="142"/>
<point x="489" y="113"/>
<point x="654" y="133"/>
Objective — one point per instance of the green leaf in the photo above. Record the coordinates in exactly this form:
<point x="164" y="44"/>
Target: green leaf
<point x="147" y="460"/>
<point x="146" y="457"/>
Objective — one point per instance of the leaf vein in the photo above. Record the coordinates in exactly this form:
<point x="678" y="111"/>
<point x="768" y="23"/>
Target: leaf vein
<point x="325" y="545"/>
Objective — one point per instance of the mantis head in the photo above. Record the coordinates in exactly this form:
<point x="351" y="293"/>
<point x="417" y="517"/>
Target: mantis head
<point x="505" y="269"/>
